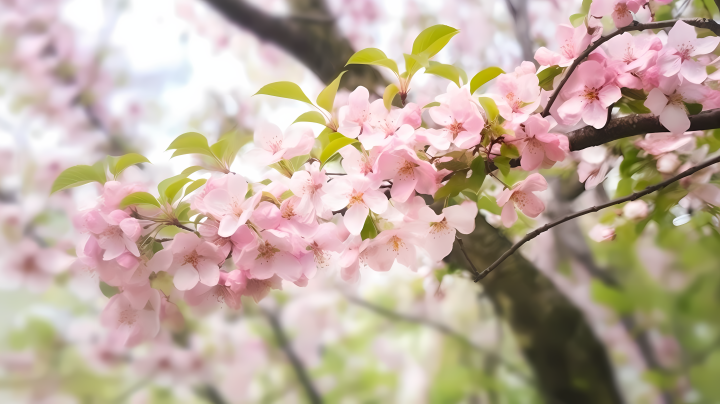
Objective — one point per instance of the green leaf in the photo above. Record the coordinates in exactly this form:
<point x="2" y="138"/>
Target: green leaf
<point x="126" y="161"/>
<point x="489" y="204"/>
<point x="389" y="94"/>
<point x="162" y="281"/>
<point x="285" y="89"/>
<point x="693" y="109"/>
<point x="429" y="42"/>
<point x="373" y="56"/>
<point x="457" y="183"/>
<point x="490" y="108"/>
<point x="107" y="290"/>
<point x="419" y="60"/>
<point x="165" y="184"/>
<point x="449" y="72"/>
<point x="139" y="198"/>
<point x="546" y="77"/>
<point x="298" y="161"/>
<point x="452" y="165"/>
<point x="577" y="19"/>
<point x="503" y="164"/>
<point x="368" y="230"/>
<point x="172" y="190"/>
<point x="333" y="148"/>
<point x="478" y="174"/>
<point x="432" y="104"/>
<point x="624" y="187"/>
<point x="483" y="77"/>
<point x="633" y="93"/>
<point x="611" y="297"/>
<point x="509" y="151"/>
<point x="76" y="176"/>
<point x="326" y="98"/>
<point x="637" y="106"/>
<point x="190" y="143"/>
<point x="312" y="117"/>
<point x="195" y="185"/>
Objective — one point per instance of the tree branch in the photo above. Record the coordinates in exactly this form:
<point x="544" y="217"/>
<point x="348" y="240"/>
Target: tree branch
<point x="632" y="197"/>
<point x="444" y="329"/>
<point x="635" y="26"/>
<point x="295" y="361"/>
<point x="314" y="41"/>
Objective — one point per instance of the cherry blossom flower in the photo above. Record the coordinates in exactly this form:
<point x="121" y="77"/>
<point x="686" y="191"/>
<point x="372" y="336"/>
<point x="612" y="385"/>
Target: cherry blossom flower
<point x="620" y="10"/>
<point x="353" y="116"/>
<point x="593" y="166"/>
<point x="589" y="92"/>
<point x="272" y="255"/>
<point x="439" y="231"/>
<point x="228" y="291"/>
<point x="390" y="246"/>
<point x="519" y="94"/>
<point x="272" y="145"/>
<point x="133" y="315"/>
<point x="682" y="46"/>
<point x="323" y="249"/>
<point x="308" y="185"/>
<point x="667" y="102"/>
<point x="573" y="41"/>
<point x="536" y="144"/>
<point x="408" y="173"/>
<point x="358" y="195"/>
<point x="32" y="267"/>
<point x="600" y="233"/>
<point x="382" y="124"/>
<point x="229" y="206"/>
<point x="356" y="163"/>
<point x="635" y="210"/>
<point x="194" y="260"/>
<point x="661" y="143"/>
<point x="522" y="196"/>
<point x="459" y="117"/>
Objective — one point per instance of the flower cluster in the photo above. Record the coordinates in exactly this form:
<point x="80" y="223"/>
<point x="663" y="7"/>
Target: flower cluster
<point x="381" y="186"/>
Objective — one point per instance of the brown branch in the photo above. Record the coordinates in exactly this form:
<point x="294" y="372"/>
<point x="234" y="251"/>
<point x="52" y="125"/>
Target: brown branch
<point x="632" y="197"/>
<point x="635" y="26"/>
<point x="467" y="258"/>
<point x="295" y="361"/>
<point x="442" y="328"/>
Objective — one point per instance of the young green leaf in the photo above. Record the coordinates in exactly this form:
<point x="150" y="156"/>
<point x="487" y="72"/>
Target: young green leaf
<point x="432" y="104"/>
<point x="285" y="89"/>
<point x="126" y="161"/>
<point x="195" y="185"/>
<point x="693" y="109"/>
<point x="429" y="43"/>
<point x="509" y="151"/>
<point x="478" y="174"/>
<point x="488" y="203"/>
<point x="172" y="189"/>
<point x="454" y="186"/>
<point x="546" y="77"/>
<point x="139" y="198"/>
<point x="190" y="143"/>
<point x="297" y="162"/>
<point x="326" y="98"/>
<point x="634" y="94"/>
<point x="373" y="56"/>
<point x="76" y="176"/>
<point x="483" y="77"/>
<point x="490" y="108"/>
<point x="503" y="164"/>
<point x="333" y="148"/>
<point x="368" y="230"/>
<point x="312" y="117"/>
<point x="389" y="94"/>
<point x="449" y="72"/>
<point x="417" y="61"/>
<point x="577" y="19"/>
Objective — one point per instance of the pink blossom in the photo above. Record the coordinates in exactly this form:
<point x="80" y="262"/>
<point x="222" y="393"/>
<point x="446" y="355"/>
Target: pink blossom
<point x="308" y="185"/>
<point x="322" y="249"/>
<point x="635" y="210"/>
<point x="519" y="94"/>
<point x="358" y="194"/>
<point x="272" y="255"/>
<point x="620" y="10"/>
<point x="194" y="260"/>
<point x="600" y="233"/>
<point x="537" y="145"/>
<point x="229" y="206"/>
<point x="133" y="315"/>
<point x="635" y="51"/>
<point x="353" y="116"/>
<point x="30" y="266"/>
<point x="593" y="166"/>
<point x="290" y="220"/>
<point x="390" y="246"/>
<point x="440" y="230"/>
<point x="668" y="163"/>
<point x="272" y="145"/>
<point x="355" y="162"/>
<point x="408" y="173"/>
<point x="573" y="41"/>
<point x="661" y="143"/>
<point x="589" y="92"/>
<point x="116" y="233"/>
<point x="460" y="119"/>
<point x="522" y="196"/>
<point x="228" y="291"/>
<point x="677" y="56"/>
<point x="382" y="124"/>
<point x="667" y="102"/>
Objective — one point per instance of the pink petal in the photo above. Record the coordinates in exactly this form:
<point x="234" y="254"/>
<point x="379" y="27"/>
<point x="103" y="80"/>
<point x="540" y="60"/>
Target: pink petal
<point x="532" y="205"/>
<point x="669" y="64"/>
<point x="462" y="217"/>
<point x="705" y="45"/>
<point x="114" y="246"/>
<point x="693" y="71"/>
<point x="228" y="225"/>
<point x="532" y="155"/>
<point x="286" y="266"/>
<point x="441" y="115"/>
<point x="237" y="186"/>
<point x="268" y="136"/>
<point x="595" y="115"/>
<point x="533" y="183"/>
<point x="675" y="119"/>
<point x="355" y="218"/>
<point x="656" y="101"/>
<point x="218" y="202"/>
<point x="546" y="57"/>
<point x="186" y="277"/>
<point x="376" y="201"/>
<point x="208" y="271"/>
<point x="184" y="243"/>
<point x="403" y="186"/>
<point x="508" y="215"/>
<point x="608" y="95"/>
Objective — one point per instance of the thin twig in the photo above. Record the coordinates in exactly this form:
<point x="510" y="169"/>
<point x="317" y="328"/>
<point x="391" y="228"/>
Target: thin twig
<point x="635" y="26"/>
<point x="632" y="197"/>
<point x="462" y="248"/>
<point x="441" y="328"/>
<point x="296" y="363"/>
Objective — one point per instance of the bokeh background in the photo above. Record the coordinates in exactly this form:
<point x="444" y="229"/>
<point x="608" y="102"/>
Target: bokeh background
<point x="80" y="79"/>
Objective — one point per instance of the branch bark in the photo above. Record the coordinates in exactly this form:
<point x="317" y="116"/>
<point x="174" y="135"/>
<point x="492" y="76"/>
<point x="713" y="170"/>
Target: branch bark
<point x="310" y="35"/>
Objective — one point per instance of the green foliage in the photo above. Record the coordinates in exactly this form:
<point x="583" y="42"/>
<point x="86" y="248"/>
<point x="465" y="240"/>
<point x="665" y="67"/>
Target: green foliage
<point x="107" y="290"/>
<point x="449" y="72"/>
<point x="432" y="104"/>
<point x="693" y="109"/>
<point x="285" y="89"/>
<point x="333" y="147"/>
<point x="369" y="230"/>
<point x="611" y="297"/>
<point x="577" y="19"/>
<point x="326" y="98"/>
<point x="126" y="161"/>
<point x="547" y="76"/>
<point x="139" y="198"/>
<point x="483" y="77"/>
<point x="373" y="56"/>
<point x="510" y="151"/>
<point x="503" y="164"/>
<point x="390" y="92"/>
<point x="312" y="117"/>
<point x="478" y="174"/>
<point x="456" y="184"/>
<point x="79" y="175"/>
<point x="190" y="143"/>
<point x="428" y="43"/>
